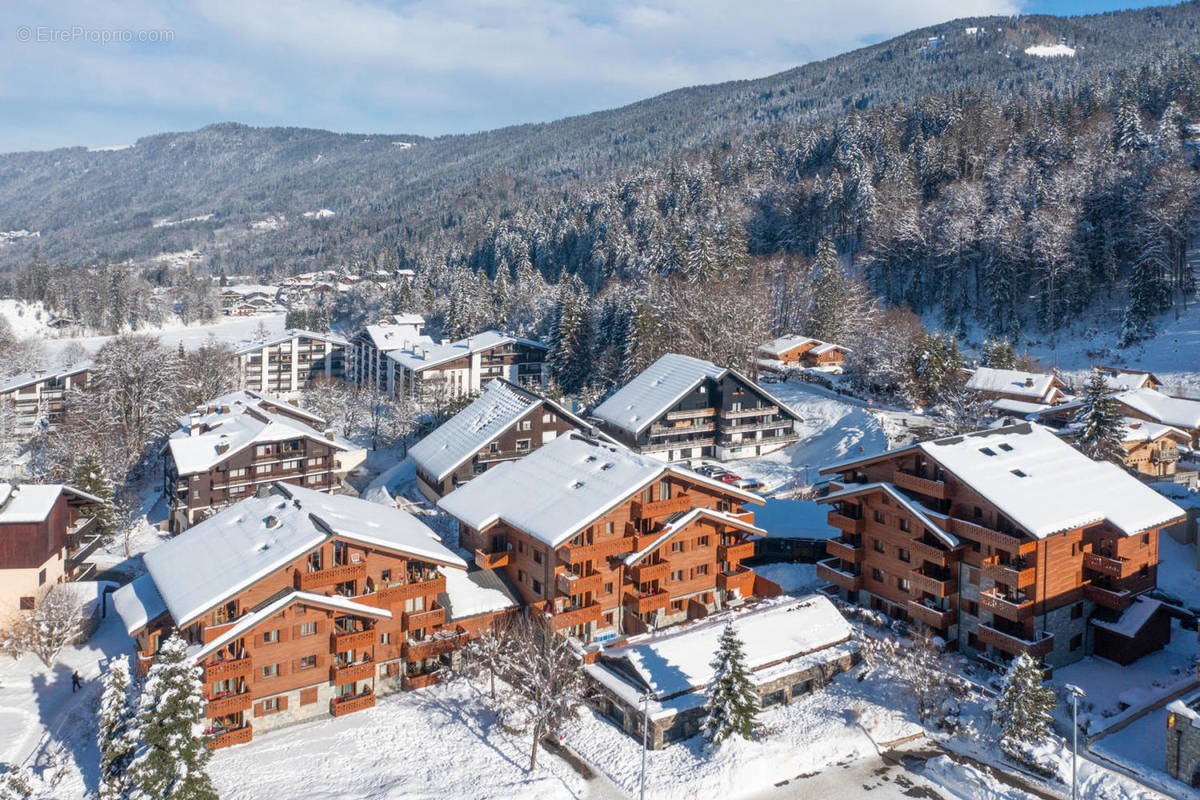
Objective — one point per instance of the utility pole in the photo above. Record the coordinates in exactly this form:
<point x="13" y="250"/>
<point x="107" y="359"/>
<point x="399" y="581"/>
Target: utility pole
<point x="1076" y="693"/>
<point x="645" y="741"/>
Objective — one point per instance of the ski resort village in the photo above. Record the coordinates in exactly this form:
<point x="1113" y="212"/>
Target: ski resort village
<point x="829" y="434"/>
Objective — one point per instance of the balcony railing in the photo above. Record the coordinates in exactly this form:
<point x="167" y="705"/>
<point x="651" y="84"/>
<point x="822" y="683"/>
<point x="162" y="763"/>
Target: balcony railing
<point x="354" y="640"/>
<point x="348" y="705"/>
<point x="307" y="581"/>
<point x="1017" y="574"/>
<point x="224" y="670"/>
<point x="847" y="551"/>
<point x="831" y="570"/>
<point x="1009" y="643"/>
<point x="1107" y="565"/>
<point x="844" y="522"/>
<point x="748" y="412"/>
<point x="569" y="583"/>
<point x="644" y="572"/>
<point x="691" y="414"/>
<point x="1165" y="456"/>
<point x="389" y="596"/>
<point x="915" y="483"/>
<point x="922" y="550"/>
<point x="661" y="508"/>
<point x="981" y="533"/>
<point x="1013" y="607"/>
<point x="229" y="704"/>
<point x="581" y="615"/>
<point x="933" y="617"/>
<point x="640" y="603"/>
<point x="362" y="671"/>
<point x="491" y="560"/>
<point x="421" y="680"/>
<point x="230" y="737"/>
<point x="1117" y="600"/>
<point x="938" y="587"/>
<point x="432" y="646"/>
<point x="658" y="429"/>
<point x="741" y="579"/>
<point x="417" y="620"/>
<point x="735" y="551"/>
<point x="587" y="552"/>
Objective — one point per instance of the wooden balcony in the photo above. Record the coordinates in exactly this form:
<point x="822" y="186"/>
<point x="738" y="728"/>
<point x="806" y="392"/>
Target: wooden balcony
<point x="743" y="516"/>
<point x="358" y="640"/>
<point x="904" y="480"/>
<point x="225" y="670"/>
<point x="569" y="583"/>
<point x="927" y="552"/>
<point x="1164" y="456"/>
<point x="1117" y="600"/>
<point x="231" y="737"/>
<point x="1016" y="609"/>
<point x="741" y="579"/>
<point x="1107" y="565"/>
<point x="229" y="704"/>
<point x="981" y="533"/>
<point x="937" y="587"/>
<point x="307" y="581"/>
<point x="575" y="616"/>
<point x="1015" y="575"/>
<point x="409" y="682"/>
<point x="695" y="426"/>
<point x="933" y="617"/>
<point x="362" y="671"/>
<point x="692" y="414"/>
<point x="748" y="412"/>
<point x="644" y="571"/>
<point x="660" y="508"/>
<point x="830" y="570"/>
<point x="432" y="646"/>
<point x="604" y="549"/>
<point x="649" y="603"/>
<point x="845" y="523"/>
<point x="491" y="560"/>
<point x="351" y="704"/>
<point x="1015" y="644"/>
<point x="735" y="552"/>
<point x="846" y="551"/>
<point x="391" y="595"/>
<point x="416" y="620"/>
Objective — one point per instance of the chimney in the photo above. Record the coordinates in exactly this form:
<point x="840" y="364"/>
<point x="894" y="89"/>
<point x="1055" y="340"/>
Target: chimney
<point x="1029" y="381"/>
<point x="271" y="521"/>
<point x="470" y="342"/>
<point x="195" y="428"/>
<point x="222" y="447"/>
<point x="264" y="490"/>
<point x="329" y="435"/>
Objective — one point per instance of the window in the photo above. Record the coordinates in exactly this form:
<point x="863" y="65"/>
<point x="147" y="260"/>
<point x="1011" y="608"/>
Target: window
<point x="537" y="587"/>
<point x="903" y="555"/>
<point x="664" y="489"/>
<point x="526" y="424"/>
<point x="1076" y="641"/>
<point x="385" y="576"/>
<point x="879" y="516"/>
<point x="414" y="604"/>
<point x="270" y="705"/>
<point x="902" y="584"/>
<point x="41" y="577"/>
<point x="237" y="473"/>
<point x="973" y="608"/>
<point x="308" y="662"/>
<point x="308" y="629"/>
<point x="385" y="638"/>
<point x="520" y="576"/>
<point x="702" y="541"/>
<point x="314" y="561"/>
<point x="270" y="637"/>
<point x="608" y="527"/>
<point x="1145" y="539"/>
<point x="263" y="450"/>
<point x="493" y="447"/>
<point x="903" y="524"/>
<point x="677" y="575"/>
<point x="877" y="546"/>
<point x="702" y="569"/>
<point x="537" y="556"/>
<point x="608" y="588"/>
<point x="676" y="547"/>
<point x="877" y="575"/>
<point x="27" y="603"/>
<point x="1077" y="611"/>
<point x="549" y="417"/>
<point x="522" y="445"/>
<point x="270" y="671"/>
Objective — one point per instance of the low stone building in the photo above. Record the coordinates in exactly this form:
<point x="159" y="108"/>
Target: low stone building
<point x="1183" y="739"/>
<point x="792" y="647"/>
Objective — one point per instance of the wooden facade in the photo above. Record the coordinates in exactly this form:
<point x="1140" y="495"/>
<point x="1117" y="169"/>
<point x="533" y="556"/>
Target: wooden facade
<point x="37" y="553"/>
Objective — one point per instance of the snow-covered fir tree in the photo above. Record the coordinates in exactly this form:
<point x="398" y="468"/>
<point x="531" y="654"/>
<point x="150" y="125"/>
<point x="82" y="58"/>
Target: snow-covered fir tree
<point x="17" y="783"/>
<point x="998" y="354"/>
<point x="936" y="369"/>
<point x="1128" y="136"/>
<point x="1101" y="428"/>
<point x="732" y="703"/>
<point x="833" y="299"/>
<point x="1024" y="707"/>
<point x="172" y="754"/>
<point x="89" y="475"/>
<point x="117" y="734"/>
<point x="570" y="352"/>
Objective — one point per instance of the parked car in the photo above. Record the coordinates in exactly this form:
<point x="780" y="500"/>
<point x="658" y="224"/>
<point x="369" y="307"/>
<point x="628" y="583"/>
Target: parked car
<point x="711" y="470"/>
<point x="728" y="477"/>
<point x="751" y="484"/>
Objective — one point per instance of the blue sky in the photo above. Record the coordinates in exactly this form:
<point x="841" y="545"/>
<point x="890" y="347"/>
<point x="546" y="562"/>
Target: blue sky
<point x="104" y="72"/>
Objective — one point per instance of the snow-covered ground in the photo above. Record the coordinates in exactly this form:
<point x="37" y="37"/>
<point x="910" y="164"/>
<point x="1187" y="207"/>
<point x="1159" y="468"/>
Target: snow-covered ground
<point x="229" y="330"/>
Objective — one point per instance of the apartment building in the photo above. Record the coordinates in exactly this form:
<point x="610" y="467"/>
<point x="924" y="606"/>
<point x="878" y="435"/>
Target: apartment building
<point x="504" y="423"/>
<point x="441" y="372"/>
<point x="1002" y="541"/>
<point x="46" y="537"/>
<point x="225" y="449"/>
<point x="291" y="361"/>
<point x="41" y="397"/>
<point x="682" y="407"/>
<point x="608" y="542"/>
<point x="370" y="346"/>
<point x="300" y="604"/>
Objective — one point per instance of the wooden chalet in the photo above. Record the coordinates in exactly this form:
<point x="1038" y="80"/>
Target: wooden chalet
<point x="801" y="351"/>
<point x="1016" y="385"/>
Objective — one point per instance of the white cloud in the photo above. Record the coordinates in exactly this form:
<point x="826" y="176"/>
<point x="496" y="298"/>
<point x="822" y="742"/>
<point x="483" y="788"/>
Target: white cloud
<point x="427" y="66"/>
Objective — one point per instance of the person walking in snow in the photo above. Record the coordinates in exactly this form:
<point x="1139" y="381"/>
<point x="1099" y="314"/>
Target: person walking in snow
<point x="76" y="682"/>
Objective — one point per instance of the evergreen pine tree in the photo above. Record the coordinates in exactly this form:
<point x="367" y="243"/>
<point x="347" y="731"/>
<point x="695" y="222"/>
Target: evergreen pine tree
<point x="89" y="476"/>
<point x="831" y="297"/>
<point x="998" y="354"/>
<point x="732" y="702"/>
<point x="16" y="782"/>
<point x="1100" y="423"/>
<point x="570" y="354"/>
<point x="1024" y="707"/>
<point x="1128" y="136"/>
<point x="116" y="736"/>
<point x="171" y="759"/>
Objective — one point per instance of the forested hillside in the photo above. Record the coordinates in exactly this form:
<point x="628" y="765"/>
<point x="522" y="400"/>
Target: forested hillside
<point x="959" y="173"/>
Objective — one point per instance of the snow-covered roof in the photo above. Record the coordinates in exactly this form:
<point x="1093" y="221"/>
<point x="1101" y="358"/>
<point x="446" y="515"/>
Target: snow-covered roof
<point x="420" y="357"/>
<point x="1133" y="619"/>
<point x="1139" y="430"/>
<point x="1020" y="408"/>
<point x="30" y="378"/>
<point x="1163" y="408"/>
<point x="332" y="338"/>
<point x="387" y="337"/>
<point x="138" y="603"/>
<point x="660" y="386"/>
<point x="33" y="502"/>
<point x="561" y="487"/>
<point x="680" y="659"/>
<point x="682" y="521"/>
<point x="226" y="553"/>
<point x="1045" y="486"/>
<point x="785" y="344"/>
<point x="935" y="522"/>
<point x="500" y="406"/>
<point x="235" y="421"/>
<point x="1011" y="381"/>
<point x="470" y="593"/>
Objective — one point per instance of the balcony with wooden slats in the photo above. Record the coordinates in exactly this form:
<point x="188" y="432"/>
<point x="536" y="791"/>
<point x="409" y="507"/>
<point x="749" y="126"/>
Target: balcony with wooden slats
<point x="226" y="670"/>
<point x="569" y="583"/>
<point x="661" y="508"/>
<point x="417" y="620"/>
<point x="735" y="552"/>
<point x="644" y="604"/>
<point x="582" y="615"/>
<point x="341" y="707"/>
<point x="432" y="646"/>
<point x="353" y="640"/>
<point x="308" y="581"/>
<point x="924" y="551"/>
<point x="1015" y="645"/>
<point x="831" y="570"/>
<point x="348" y="673"/>
<point x="933" y="617"/>
<point x="934" y="585"/>
<point x="1108" y="566"/>
<point x="851" y="550"/>
<point x="1108" y="597"/>
<point x="845" y="523"/>
<point x="985" y="535"/>
<point x="574" y="554"/>
<point x="421" y="680"/>
<point x="645" y="571"/>
<point x="915" y="483"/>
<point x="1017" y="574"/>
<point x="391" y="595"/>
<point x="491" y="560"/>
<point x="230" y="737"/>
<point x="1015" y="608"/>
<point x="229" y="704"/>
<point x="741" y="579"/>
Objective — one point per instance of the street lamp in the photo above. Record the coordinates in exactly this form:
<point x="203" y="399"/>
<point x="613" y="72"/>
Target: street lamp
<point x="645" y="740"/>
<point x="1075" y="693"/>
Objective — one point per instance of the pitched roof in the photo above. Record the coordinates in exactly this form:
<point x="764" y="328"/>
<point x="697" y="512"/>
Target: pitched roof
<point x="658" y="387"/>
<point x="477" y="591"/>
<point x="1011" y="381"/>
<point x="680" y="522"/>
<point x="138" y="603"/>
<point x="236" y="421"/>
<point x="1139" y="430"/>
<point x="222" y="555"/>
<point x="286" y="335"/>
<point x="424" y="356"/>
<point x="561" y="487"/>
<point x="499" y="407"/>
<point x="784" y="344"/>
<point x="935" y="522"/>
<point x="30" y="378"/>
<point x="1163" y="408"/>
<point x="33" y="502"/>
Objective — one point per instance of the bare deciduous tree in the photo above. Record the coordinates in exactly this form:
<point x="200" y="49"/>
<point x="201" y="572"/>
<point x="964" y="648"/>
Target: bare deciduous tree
<point x="55" y="622"/>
